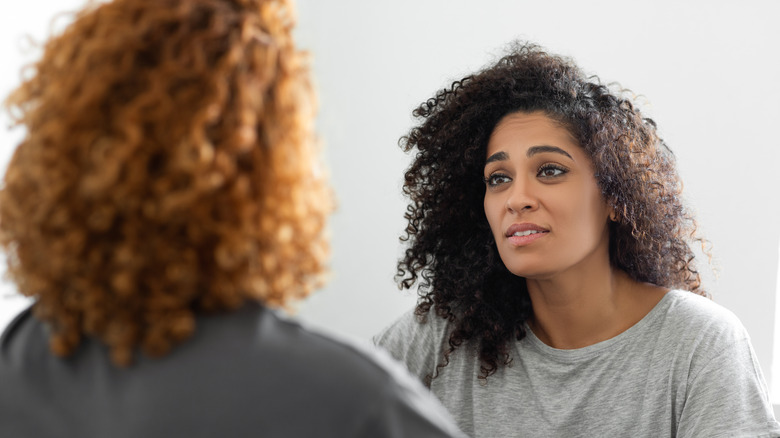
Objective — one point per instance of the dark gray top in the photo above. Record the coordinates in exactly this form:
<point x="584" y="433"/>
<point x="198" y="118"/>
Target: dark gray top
<point x="247" y="373"/>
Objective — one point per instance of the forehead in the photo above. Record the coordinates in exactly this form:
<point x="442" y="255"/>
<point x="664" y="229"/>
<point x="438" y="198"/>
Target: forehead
<point x="525" y="130"/>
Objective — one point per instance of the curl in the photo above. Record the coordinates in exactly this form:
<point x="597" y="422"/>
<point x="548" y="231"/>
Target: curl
<point x="168" y="169"/>
<point x="451" y="255"/>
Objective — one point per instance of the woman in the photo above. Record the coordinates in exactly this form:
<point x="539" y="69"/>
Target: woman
<point x="165" y="196"/>
<point x="558" y="295"/>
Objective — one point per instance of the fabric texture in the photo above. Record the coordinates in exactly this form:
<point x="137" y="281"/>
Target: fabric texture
<point x="247" y="373"/>
<point x="687" y="369"/>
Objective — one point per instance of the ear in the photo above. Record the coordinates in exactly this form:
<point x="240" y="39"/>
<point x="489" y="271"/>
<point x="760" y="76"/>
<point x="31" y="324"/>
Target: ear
<point x="612" y="214"/>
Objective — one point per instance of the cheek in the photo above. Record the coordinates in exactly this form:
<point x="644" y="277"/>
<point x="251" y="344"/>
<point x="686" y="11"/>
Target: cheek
<point x="581" y="212"/>
<point x="594" y="213"/>
<point x="492" y="213"/>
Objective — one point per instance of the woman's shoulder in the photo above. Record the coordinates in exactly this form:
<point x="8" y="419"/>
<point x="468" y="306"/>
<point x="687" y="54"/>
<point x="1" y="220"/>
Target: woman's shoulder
<point x="699" y="309"/>
<point x="415" y="340"/>
<point x="428" y="326"/>
<point x="694" y="318"/>
<point x="721" y="379"/>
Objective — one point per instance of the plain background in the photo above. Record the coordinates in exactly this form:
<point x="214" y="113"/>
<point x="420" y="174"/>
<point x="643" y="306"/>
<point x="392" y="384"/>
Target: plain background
<point x="708" y="72"/>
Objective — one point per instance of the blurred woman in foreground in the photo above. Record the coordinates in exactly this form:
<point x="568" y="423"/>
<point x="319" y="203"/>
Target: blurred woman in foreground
<point x="167" y="192"/>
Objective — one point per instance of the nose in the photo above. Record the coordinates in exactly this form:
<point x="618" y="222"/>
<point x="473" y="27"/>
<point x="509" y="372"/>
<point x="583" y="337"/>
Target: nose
<point x="520" y="198"/>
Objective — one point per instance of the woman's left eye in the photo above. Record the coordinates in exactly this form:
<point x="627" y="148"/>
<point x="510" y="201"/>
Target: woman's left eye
<point x="551" y="171"/>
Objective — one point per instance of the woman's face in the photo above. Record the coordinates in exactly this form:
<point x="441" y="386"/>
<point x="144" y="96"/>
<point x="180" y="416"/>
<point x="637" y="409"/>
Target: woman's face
<point x="542" y="202"/>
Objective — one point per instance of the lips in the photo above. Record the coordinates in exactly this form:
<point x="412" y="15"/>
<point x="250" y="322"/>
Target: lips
<point x="520" y="235"/>
<point x="524" y="229"/>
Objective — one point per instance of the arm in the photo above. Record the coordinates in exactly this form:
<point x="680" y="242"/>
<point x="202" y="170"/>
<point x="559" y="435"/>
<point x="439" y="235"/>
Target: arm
<point x="416" y="345"/>
<point x="727" y="397"/>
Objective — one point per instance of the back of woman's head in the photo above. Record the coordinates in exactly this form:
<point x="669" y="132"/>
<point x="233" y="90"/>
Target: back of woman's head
<point x="451" y="246"/>
<point x="168" y="167"/>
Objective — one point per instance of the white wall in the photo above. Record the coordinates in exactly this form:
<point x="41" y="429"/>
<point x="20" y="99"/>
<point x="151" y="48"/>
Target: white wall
<point x="709" y="70"/>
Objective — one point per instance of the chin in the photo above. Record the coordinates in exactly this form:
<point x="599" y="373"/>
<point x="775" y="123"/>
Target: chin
<point x="532" y="272"/>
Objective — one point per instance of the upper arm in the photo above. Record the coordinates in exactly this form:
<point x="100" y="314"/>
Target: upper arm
<point x="415" y="344"/>
<point x="727" y="396"/>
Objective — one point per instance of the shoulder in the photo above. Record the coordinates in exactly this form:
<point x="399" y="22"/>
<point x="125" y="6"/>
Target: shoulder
<point x="699" y="318"/>
<point x="269" y="339"/>
<point x="390" y="392"/>
<point x="724" y="389"/>
<point x="350" y="376"/>
<point x="253" y="359"/>
<point x="324" y="348"/>
<point x="706" y="335"/>
<point x="25" y="336"/>
<point x="430" y="326"/>
<point x="416" y="341"/>
<point x="253" y="345"/>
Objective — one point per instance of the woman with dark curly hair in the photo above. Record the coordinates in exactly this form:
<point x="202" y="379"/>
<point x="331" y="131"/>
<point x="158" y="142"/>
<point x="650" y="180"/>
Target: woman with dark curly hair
<point x="552" y="254"/>
<point x="166" y="194"/>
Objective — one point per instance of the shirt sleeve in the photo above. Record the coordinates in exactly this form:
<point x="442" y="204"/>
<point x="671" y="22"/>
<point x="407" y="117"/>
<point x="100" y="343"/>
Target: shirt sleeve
<point x="415" y="344"/>
<point x="727" y="397"/>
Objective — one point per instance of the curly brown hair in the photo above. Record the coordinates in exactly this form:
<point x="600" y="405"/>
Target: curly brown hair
<point x="169" y="167"/>
<point x="451" y="253"/>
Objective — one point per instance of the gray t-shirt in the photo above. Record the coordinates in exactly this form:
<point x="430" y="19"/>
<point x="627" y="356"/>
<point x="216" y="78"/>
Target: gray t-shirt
<point x="248" y="373"/>
<point x="687" y="369"/>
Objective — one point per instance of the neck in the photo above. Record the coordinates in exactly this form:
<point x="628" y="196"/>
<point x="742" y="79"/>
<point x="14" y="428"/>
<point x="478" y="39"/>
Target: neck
<point x="578" y="309"/>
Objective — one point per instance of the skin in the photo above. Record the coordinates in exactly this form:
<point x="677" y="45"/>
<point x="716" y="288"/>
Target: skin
<point x="538" y="176"/>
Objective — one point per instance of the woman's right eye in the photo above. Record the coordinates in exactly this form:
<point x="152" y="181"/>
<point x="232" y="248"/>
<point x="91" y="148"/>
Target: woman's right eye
<point x="496" y="179"/>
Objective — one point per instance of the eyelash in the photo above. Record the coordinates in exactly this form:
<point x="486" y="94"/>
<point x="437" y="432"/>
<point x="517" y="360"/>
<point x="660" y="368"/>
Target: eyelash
<point x="490" y="180"/>
<point x="551" y="166"/>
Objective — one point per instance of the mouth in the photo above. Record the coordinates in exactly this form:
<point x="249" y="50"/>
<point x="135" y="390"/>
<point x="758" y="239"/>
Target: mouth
<point x="525" y="229"/>
<point x="525" y="233"/>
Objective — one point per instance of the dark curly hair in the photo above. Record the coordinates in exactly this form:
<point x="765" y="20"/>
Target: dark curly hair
<point x="168" y="168"/>
<point x="451" y="253"/>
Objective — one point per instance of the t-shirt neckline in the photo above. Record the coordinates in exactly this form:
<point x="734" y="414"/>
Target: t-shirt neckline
<point x="599" y="347"/>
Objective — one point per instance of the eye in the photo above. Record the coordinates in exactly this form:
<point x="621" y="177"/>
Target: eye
<point x="496" y="180"/>
<point x="551" y="170"/>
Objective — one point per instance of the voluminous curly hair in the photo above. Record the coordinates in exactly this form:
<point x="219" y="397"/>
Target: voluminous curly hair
<point x="451" y="253"/>
<point x="169" y="167"/>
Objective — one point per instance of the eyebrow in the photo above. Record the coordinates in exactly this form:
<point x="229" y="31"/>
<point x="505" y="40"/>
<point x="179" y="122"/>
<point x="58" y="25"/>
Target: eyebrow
<point x="533" y="150"/>
<point x="498" y="156"/>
